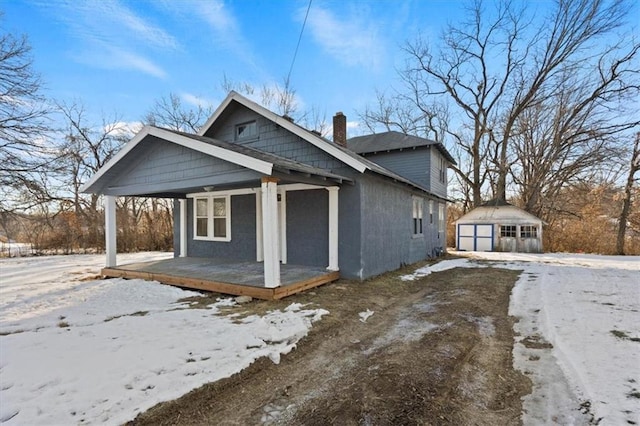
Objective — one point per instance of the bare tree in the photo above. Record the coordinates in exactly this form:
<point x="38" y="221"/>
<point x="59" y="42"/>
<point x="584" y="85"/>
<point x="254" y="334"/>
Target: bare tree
<point x="634" y="166"/>
<point x="23" y="126"/>
<point x="490" y="70"/>
<point x="169" y="112"/>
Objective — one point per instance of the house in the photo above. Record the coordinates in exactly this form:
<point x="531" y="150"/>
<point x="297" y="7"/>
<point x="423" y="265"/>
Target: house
<point x="499" y="226"/>
<point x="269" y="205"/>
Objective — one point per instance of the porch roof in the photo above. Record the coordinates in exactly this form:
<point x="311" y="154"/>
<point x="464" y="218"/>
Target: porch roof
<point x="255" y="164"/>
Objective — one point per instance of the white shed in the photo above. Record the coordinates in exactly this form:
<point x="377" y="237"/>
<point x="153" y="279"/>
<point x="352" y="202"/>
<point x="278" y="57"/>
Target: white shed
<point x="499" y="226"/>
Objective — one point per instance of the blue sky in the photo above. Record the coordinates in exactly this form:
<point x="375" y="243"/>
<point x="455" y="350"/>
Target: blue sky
<point x="120" y="56"/>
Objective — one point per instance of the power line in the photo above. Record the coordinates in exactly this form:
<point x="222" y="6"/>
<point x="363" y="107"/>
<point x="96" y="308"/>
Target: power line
<point x="295" y="54"/>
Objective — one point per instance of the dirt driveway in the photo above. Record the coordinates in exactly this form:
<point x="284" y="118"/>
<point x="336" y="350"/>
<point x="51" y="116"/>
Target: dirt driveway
<point x="436" y="350"/>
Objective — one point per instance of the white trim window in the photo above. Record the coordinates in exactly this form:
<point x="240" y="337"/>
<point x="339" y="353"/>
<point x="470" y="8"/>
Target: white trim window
<point x="430" y="211"/>
<point x="442" y="220"/>
<point x="212" y="218"/>
<point x="246" y="131"/>
<point x="417" y="216"/>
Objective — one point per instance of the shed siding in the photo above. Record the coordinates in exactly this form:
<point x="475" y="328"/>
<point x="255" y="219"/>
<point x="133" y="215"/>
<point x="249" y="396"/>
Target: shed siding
<point x="243" y="233"/>
<point x="410" y="163"/>
<point x="307" y="225"/>
<point x="503" y="215"/>
<point x="273" y="139"/>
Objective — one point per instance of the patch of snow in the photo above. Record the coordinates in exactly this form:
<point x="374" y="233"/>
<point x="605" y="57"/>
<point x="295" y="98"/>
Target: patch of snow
<point x="439" y="267"/>
<point x="101" y="351"/>
<point x="364" y="316"/>
<point x="585" y="308"/>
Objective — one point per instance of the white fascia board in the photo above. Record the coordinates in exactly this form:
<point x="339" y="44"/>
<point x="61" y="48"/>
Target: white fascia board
<point x="119" y="155"/>
<point x="317" y="141"/>
<point x="255" y="164"/>
<point x="217" y="113"/>
<point x="240" y="191"/>
<point x="243" y="160"/>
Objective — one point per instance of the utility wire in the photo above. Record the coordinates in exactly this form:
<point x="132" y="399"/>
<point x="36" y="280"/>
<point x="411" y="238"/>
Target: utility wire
<point x="295" y="54"/>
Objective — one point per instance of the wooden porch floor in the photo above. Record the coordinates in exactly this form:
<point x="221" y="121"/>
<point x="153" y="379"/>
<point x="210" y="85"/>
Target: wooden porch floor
<point x="224" y="276"/>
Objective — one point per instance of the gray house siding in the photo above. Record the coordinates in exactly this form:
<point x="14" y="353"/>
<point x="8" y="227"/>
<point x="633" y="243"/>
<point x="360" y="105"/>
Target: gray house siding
<point x="350" y="231"/>
<point x="163" y="166"/>
<point x="273" y="139"/>
<point x="414" y="164"/>
<point x="387" y="234"/>
<point x="307" y="225"/>
<point x="438" y="186"/>
<point x="243" y="233"/>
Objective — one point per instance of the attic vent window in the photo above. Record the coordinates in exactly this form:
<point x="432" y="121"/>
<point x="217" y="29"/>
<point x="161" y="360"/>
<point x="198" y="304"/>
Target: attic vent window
<point x="246" y="131"/>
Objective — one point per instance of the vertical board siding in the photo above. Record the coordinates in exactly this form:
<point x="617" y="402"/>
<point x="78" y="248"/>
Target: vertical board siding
<point x="243" y="232"/>
<point x="307" y="227"/>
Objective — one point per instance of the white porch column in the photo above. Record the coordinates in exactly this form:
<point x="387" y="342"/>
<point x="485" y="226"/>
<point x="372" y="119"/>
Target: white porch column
<point x="183" y="228"/>
<point x="333" y="228"/>
<point x="282" y="221"/>
<point x="259" y="243"/>
<point x="270" y="232"/>
<point x="110" y="230"/>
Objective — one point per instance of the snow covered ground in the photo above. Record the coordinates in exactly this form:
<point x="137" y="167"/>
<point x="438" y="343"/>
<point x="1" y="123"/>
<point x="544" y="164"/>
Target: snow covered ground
<point x="578" y="333"/>
<point x="76" y="350"/>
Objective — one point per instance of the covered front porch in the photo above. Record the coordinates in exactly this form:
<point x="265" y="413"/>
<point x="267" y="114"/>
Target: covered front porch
<point x="225" y="276"/>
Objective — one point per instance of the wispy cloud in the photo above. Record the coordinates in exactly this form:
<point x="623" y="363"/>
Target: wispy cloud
<point x="109" y="57"/>
<point x="198" y="101"/>
<point x="111" y="30"/>
<point x="220" y="23"/>
<point x="350" y="39"/>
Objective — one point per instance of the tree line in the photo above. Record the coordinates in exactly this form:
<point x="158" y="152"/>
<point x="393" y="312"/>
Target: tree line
<point x="540" y="111"/>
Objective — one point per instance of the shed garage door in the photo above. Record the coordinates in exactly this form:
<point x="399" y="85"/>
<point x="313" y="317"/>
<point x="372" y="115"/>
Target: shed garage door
<point x="475" y="237"/>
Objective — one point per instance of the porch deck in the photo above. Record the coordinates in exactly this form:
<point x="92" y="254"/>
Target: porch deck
<point x="225" y="276"/>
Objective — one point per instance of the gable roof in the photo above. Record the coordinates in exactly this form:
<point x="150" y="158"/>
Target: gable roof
<point x="330" y="148"/>
<point x="392" y="140"/>
<point x="344" y="154"/>
<point x="251" y="158"/>
<point x="244" y="156"/>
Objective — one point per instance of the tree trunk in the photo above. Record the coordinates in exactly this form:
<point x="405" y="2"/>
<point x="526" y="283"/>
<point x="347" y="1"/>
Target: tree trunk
<point x="634" y="166"/>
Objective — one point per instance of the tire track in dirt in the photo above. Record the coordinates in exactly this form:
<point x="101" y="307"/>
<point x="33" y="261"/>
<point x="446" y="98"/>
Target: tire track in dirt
<point x="436" y="351"/>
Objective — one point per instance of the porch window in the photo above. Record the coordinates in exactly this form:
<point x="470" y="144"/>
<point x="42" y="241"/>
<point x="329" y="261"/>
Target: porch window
<point x="212" y="218"/>
<point x="508" y="231"/>
<point x="528" y="231"/>
<point x="417" y="216"/>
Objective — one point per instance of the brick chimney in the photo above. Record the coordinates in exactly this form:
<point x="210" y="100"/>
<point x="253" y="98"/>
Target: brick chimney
<point x="340" y="129"/>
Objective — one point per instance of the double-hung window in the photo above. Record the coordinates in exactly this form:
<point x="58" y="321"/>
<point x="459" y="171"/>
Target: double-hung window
<point x="442" y="220"/>
<point x="417" y="216"/>
<point x="431" y="211"/>
<point x="212" y="218"/>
